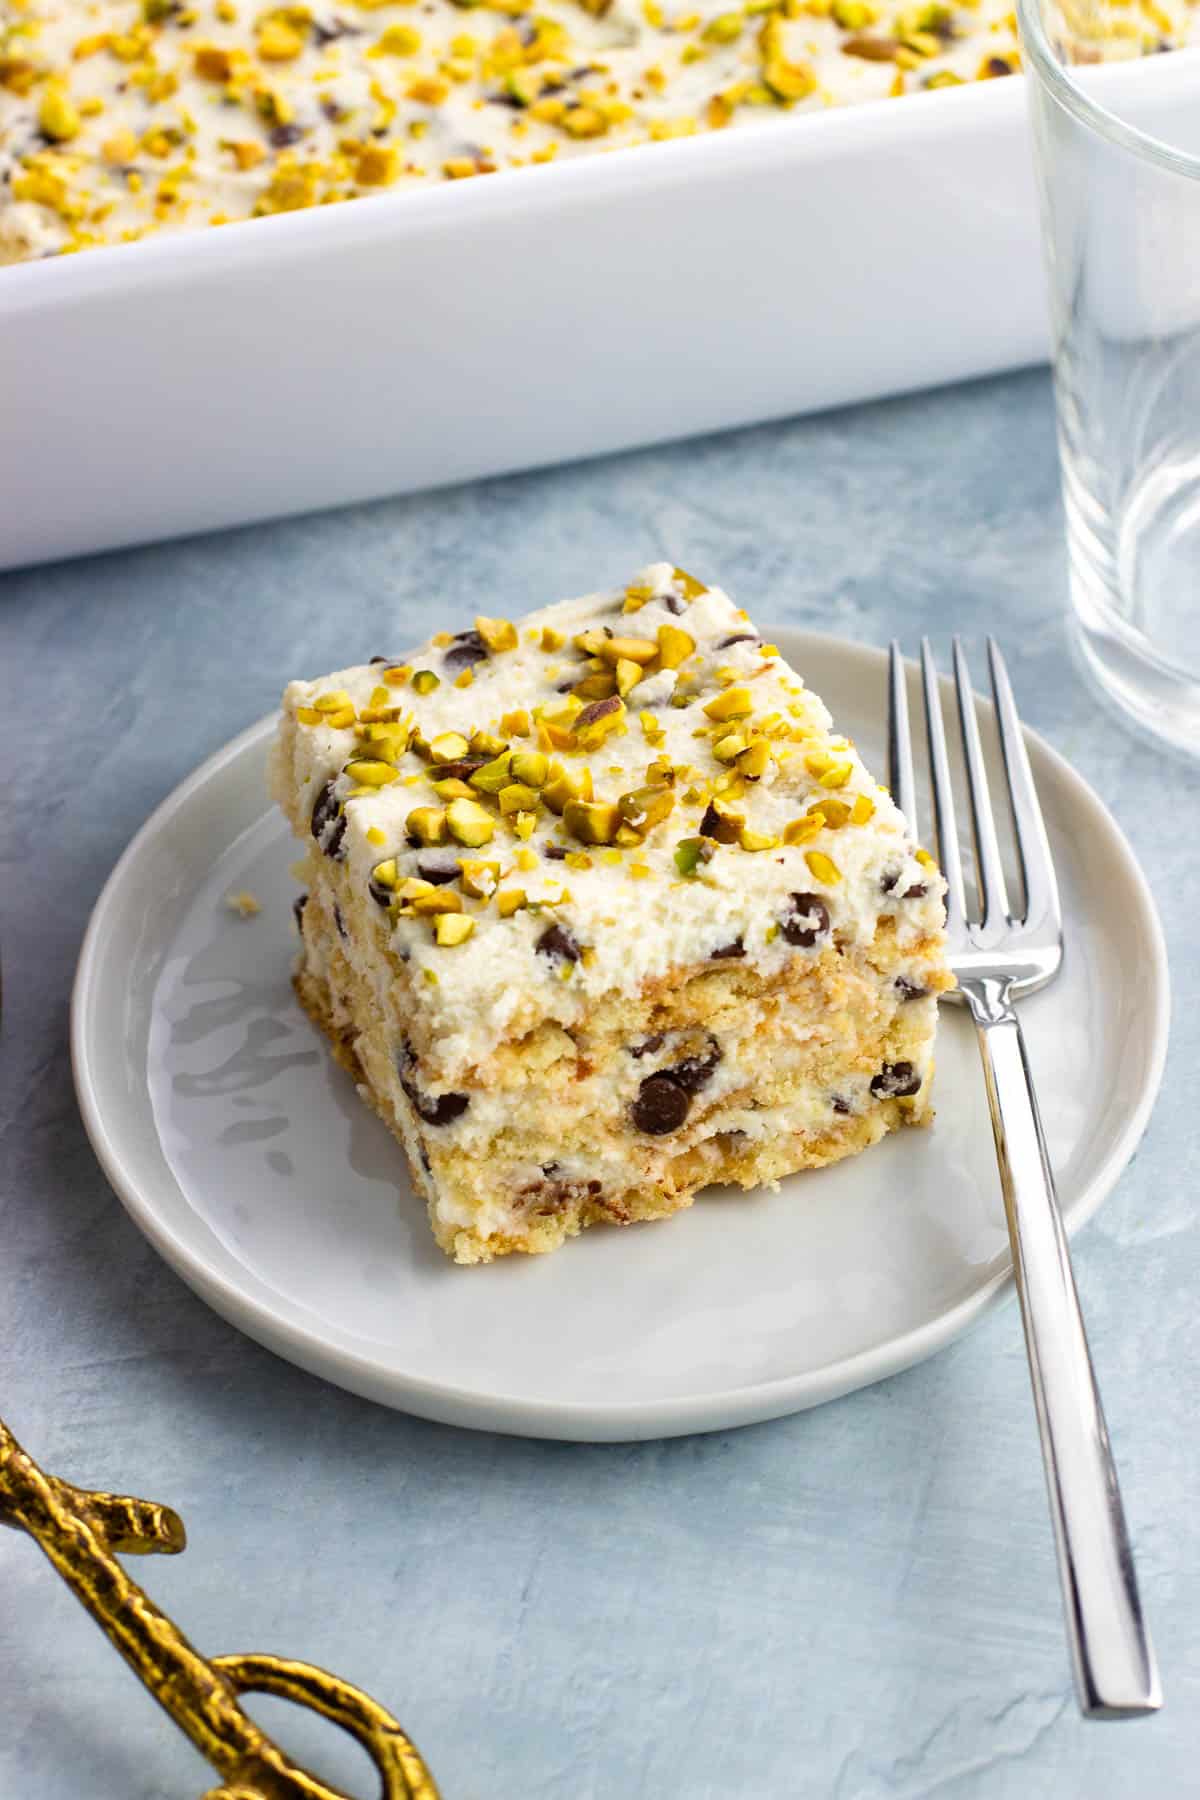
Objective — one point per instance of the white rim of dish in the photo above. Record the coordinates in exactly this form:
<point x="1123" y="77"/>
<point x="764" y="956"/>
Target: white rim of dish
<point x="448" y="1404"/>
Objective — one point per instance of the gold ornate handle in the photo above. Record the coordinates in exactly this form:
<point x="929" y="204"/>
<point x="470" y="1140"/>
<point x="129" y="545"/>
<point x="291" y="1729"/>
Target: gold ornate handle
<point x="404" y="1774"/>
<point x="81" y="1532"/>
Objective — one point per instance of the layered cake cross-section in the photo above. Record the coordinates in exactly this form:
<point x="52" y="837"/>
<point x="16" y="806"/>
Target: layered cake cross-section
<point x="601" y="909"/>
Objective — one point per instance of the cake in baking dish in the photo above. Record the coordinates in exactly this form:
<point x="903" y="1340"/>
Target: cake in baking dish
<point x="123" y="117"/>
<point x="601" y="909"/>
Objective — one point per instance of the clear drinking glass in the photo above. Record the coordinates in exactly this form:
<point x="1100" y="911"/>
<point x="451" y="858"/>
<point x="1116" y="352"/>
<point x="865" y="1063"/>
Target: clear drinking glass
<point x="1117" y="147"/>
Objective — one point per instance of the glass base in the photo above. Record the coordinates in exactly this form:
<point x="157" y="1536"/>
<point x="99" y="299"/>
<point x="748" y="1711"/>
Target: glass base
<point x="1137" y="601"/>
<point x="1162" y="701"/>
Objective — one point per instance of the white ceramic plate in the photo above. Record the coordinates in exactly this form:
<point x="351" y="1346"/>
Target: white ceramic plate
<point x="250" y="1163"/>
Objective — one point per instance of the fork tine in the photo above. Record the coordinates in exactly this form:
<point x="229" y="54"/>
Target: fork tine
<point x="900" y="763"/>
<point x="1037" y="864"/>
<point x="943" y="794"/>
<point x="993" y="894"/>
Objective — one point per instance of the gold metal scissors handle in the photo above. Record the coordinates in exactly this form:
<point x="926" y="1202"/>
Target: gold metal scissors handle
<point x="82" y="1532"/>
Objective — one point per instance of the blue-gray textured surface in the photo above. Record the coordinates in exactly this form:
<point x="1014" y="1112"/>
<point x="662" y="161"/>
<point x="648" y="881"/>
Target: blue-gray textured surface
<point x="855" y="1602"/>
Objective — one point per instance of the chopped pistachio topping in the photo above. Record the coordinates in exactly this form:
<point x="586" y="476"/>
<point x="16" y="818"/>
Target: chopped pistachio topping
<point x="517" y="798"/>
<point x="487" y="743"/>
<point x="823" y="867"/>
<point x="371" y="773"/>
<point x="644" y="807"/>
<point x="757" y="840"/>
<point x="479" y="879"/>
<point x="799" y="831"/>
<point x="469" y="823"/>
<point x="734" y="703"/>
<point x="448" y="747"/>
<point x="427" y="824"/>
<point x="435" y="900"/>
<point x="530" y="767"/>
<point x="592" y="822"/>
<point x="494" y="775"/>
<point x="497" y="634"/>
<point x="690" y="853"/>
<point x="450" y="929"/>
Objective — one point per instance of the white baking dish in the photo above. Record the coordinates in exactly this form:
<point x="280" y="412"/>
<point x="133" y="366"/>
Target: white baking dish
<point x="430" y="336"/>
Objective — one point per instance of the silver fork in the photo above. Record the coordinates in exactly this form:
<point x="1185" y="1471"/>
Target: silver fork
<point x="997" y="959"/>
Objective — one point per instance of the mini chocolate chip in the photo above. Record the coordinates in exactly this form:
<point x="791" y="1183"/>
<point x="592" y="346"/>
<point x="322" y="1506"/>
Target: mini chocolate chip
<point x="895" y="1081"/>
<point x="336" y="28"/>
<point x="326" y="808"/>
<point x="338" y="920"/>
<point x="557" y="941"/>
<point x="661" y="1105"/>
<point x="555" y="852"/>
<point x="381" y="895"/>
<point x="435" y="1109"/>
<point x="736" y="948"/>
<point x="840" y="1105"/>
<point x="673" y="604"/>
<point x="441" y="1109"/>
<point x="551" y="1168"/>
<point x="739" y="637"/>
<point x="393" y="662"/>
<point x="648" y="1045"/>
<point x="909" y="990"/>
<point x="298" y="906"/>
<point x="283" y="135"/>
<point x="467" y="649"/>
<point x="917" y="891"/>
<point x="888" y="879"/>
<point x="329" y="822"/>
<point x="809" y="921"/>
<point x="438" y="873"/>
<point x="996" y="65"/>
<point x="695" y="1072"/>
<point x="710" y="822"/>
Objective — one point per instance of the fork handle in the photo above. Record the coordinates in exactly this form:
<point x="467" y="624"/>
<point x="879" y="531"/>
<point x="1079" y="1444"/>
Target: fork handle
<point x="1116" y="1676"/>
